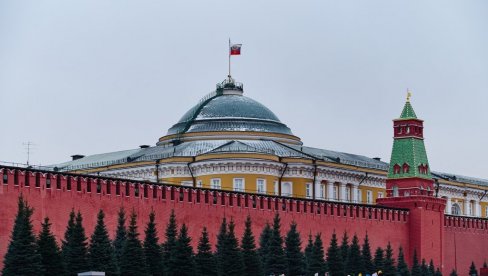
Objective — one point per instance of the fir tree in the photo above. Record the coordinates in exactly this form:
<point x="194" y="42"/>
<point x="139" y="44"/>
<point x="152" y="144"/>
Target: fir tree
<point x="101" y="253"/>
<point x="120" y="236"/>
<point x="22" y="257"/>
<point x="75" y="251"/>
<point x="367" y="265"/>
<point x="453" y="273"/>
<point x="183" y="257"/>
<point x="354" y="264"/>
<point x="437" y="272"/>
<point x="308" y="255"/>
<point x="276" y="261"/>
<point x="169" y="246"/>
<point x="389" y="263"/>
<point x="378" y="261"/>
<point x="472" y="270"/>
<point x="52" y="261"/>
<point x="204" y="260"/>
<point x="334" y="258"/>
<point x="264" y="245"/>
<point x="233" y="257"/>
<point x="424" y="268"/>
<point x="317" y="262"/>
<point x="133" y="262"/>
<point x="221" y="246"/>
<point x="252" y="264"/>
<point x="402" y="267"/>
<point x="431" y="268"/>
<point x="345" y="250"/>
<point x="416" y="269"/>
<point x="152" y="250"/>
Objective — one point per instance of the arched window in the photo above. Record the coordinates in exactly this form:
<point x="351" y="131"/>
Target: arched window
<point x="395" y="191"/>
<point x="455" y="209"/>
<point x="406" y="168"/>
<point x="396" y="169"/>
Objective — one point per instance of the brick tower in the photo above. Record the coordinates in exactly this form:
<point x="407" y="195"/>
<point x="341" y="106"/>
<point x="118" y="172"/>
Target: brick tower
<point x="410" y="185"/>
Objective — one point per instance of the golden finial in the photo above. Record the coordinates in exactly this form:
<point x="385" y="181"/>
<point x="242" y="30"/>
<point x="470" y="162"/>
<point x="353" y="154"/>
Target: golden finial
<point x="409" y="94"/>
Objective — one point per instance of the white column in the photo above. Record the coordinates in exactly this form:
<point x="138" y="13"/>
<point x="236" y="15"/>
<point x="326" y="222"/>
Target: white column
<point x="477" y="209"/>
<point x="342" y="193"/>
<point x="448" y="205"/>
<point x="330" y="190"/>
<point x="317" y="189"/>
<point x="354" y="193"/>
<point x="466" y="207"/>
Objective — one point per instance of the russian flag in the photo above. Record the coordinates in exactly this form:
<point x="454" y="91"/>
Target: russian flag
<point x="235" y="49"/>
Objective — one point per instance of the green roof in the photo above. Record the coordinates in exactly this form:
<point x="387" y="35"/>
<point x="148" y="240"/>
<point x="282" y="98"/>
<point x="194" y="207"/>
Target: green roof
<point x="408" y="112"/>
<point x="410" y="151"/>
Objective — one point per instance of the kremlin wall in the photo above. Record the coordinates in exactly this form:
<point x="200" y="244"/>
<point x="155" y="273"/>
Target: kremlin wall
<point x="230" y="156"/>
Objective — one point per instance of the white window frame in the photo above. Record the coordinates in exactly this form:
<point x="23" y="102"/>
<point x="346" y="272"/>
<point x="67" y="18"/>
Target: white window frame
<point x="369" y="196"/>
<point x="235" y="185"/>
<point x="199" y="183"/>
<point x="216" y="183"/>
<point x="261" y="181"/>
<point x="322" y="191"/>
<point x="348" y="193"/>
<point x="335" y="196"/>
<point x="380" y="194"/>
<point x="291" y="188"/>
<point x="275" y="188"/>
<point x="470" y="208"/>
<point x="187" y="183"/>
<point x="360" y="196"/>
<point x="308" y="190"/>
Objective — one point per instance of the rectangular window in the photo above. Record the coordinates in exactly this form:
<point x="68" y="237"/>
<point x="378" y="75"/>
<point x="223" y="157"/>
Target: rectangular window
<point x="261" y="186"/>
<point x="322" y="191"/>
<point x="215" y="183"/>
<point x="359" y="196"/>
<point x="308" y="190"/>
<point x="380" y="194"/>
<point x="470" y="208"/>
<point x="275" y="187"/>
<point x="369" y="196"/>
<point x="239" y="184"/>
<point x="199" y="184"/>
<point x="336" y="193"/>
<point x="348" y="193"/>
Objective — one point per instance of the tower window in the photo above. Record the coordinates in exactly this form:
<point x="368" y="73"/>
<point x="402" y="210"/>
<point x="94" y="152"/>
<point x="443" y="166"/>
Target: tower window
<point x="396" y="169"/>
<point x="406" y="168"/>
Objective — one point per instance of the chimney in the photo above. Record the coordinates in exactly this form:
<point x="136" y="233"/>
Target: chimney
<point x="144" y="146"/>
<point x="377" y="158"/>
<point x="77" y="156"/>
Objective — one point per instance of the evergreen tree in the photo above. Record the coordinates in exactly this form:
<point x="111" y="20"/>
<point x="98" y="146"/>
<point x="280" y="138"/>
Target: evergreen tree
<point x="424" y="268"/>
<point x="22" y="257"/>
<point x="169" y="246"/>
<point x="252" y="264"/>
<point x="233" y="259"/>
<point x="431" y="268"/>
<point x="133" y="262"/>
<point x="101" y="253"/>
<point x="308" y="255"/>
<point x="402" y="267"/>
<point x="75" y="253"/>
<point x="52" y="261"/>
<point x="437" y="272"/>
<point x="204" y="260"/>
<point x="345" y="250"/>
<point x="183" y="257"/>
<point x="389" y="263"/>
<point x="366" y="257"/>
<point x="264" y="245"/>
<point x="416" y="269"/>
<point x="453" y="273"/>
<point x="276" y="261"/>
<point x="378" y="260"/>
<point x="221" y="247"/>
<point x="354" y="264"/>
<point x="334" y="258"/>
<point x="317" y="262"/>
<point x="472" y="270"/>
<point x="152" y="250"/>
<point x="120" y="237"/>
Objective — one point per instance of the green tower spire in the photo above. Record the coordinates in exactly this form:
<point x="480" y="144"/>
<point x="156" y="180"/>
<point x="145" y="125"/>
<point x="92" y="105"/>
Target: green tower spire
<point x="408" y="157"/>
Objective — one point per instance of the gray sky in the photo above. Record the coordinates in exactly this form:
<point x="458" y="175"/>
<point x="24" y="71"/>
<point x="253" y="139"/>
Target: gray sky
<point x="98" y="76"/>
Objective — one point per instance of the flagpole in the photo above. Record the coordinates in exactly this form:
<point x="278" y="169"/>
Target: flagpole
<point x="229" y="56"/>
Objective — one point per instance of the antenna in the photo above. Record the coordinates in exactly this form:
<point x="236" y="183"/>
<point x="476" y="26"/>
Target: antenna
<point x="28" y="146"/>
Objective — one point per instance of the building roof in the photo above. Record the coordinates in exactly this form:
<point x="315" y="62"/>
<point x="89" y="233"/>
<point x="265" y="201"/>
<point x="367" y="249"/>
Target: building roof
<point x="407" y="112"/>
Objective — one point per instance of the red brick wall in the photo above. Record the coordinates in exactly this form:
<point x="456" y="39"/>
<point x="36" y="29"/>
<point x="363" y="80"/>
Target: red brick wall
<point x="465" y="240"/>
<point x="385" y="224"/>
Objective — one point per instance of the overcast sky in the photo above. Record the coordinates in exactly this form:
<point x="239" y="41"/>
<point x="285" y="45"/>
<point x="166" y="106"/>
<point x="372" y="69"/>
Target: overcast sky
<point x="86" y="77"/>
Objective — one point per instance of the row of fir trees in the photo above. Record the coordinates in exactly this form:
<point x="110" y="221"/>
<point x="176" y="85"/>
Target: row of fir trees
<point x="127" y="254"/>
